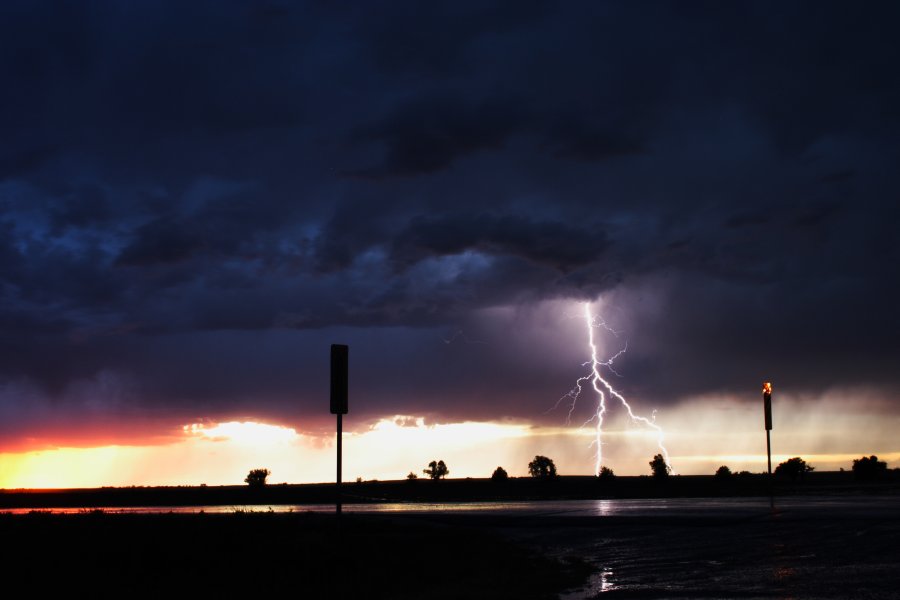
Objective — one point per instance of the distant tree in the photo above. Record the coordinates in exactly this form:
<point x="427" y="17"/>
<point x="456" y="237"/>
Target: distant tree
<point x="869" y="468"/>
<point x="499" y="474"/>
<point x="793" y="469"/>
<point x="412" y="476"/>
<point x="256" y="478"/>
<point x="723" y="472"/>
<point x="436" y="470"/>
<point x="542" y="468"/>
<point x="659" y="467"/>
<point x="606" y="473"/>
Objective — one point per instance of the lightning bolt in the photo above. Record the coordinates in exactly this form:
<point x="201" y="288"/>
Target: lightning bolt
<point x="603" y="388"/>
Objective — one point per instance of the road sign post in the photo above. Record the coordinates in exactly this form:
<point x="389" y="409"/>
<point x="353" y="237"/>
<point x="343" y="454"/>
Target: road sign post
<point x="339" y="388"/>
<point x="767" y="408"/>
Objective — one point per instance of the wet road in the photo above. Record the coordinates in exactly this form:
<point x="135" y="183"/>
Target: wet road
<point x="705" y="508"/>
<point x="807" y="547"/>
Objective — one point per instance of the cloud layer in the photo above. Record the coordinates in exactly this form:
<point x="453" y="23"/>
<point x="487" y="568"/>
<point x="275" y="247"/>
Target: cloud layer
<point x="195" y="201"/>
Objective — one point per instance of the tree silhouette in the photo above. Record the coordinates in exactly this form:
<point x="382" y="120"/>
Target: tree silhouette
<point x="606" y="473"/>
<point x="436" y="470"/>
<point x="542" y="468"/>
<point x="869" y="468"/>
<point x="412" y="476"/>
<point x="793" y="468"/>
<point x="723" y="472"/>
<point x="659" y="468"/>
<point x="500" y="474"/>
<point x="257" y="478"/>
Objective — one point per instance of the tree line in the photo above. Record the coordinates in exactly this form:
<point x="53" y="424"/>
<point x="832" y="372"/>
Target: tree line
<point x="866" y="468"/>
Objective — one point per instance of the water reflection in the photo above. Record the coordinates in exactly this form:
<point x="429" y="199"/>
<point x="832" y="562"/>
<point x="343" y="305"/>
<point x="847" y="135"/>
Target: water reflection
<point x="705" y="507"/>
<point x="599" y="508"/>
<point x="604" y="508"/>
<point x="606" y="582"/>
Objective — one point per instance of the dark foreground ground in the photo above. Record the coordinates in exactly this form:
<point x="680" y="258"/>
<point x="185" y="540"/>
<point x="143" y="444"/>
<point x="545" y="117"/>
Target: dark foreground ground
<point x="803" y="549"/>
<point x="96" y="554"/>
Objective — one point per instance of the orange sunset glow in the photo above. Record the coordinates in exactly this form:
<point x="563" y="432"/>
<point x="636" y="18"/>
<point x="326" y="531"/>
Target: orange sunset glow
<point x="389" y="448"/>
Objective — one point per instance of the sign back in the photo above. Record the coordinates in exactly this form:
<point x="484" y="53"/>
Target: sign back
<point x="339" y="384"/>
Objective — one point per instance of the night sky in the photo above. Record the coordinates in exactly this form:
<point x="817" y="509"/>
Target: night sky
<point x="196" y="199"/>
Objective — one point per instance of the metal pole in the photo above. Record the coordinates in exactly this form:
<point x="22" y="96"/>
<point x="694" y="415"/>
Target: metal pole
<point x="339" y="464"/>
<point x="767" y="410"/>
<point x="771" y="483"/>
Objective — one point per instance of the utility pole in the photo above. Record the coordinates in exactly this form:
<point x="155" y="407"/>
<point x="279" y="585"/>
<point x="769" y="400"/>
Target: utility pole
<point x="767" y="408"/>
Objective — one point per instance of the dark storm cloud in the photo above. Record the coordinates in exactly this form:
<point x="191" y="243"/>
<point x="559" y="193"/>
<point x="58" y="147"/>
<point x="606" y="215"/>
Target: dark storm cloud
<point x="81" y="206"/>
<point x="196" y="199"/>
<point x="432" y="133"/>
<point x="21" y="162"/>
<point x="555" y="244"/>
<point x="409" y="38"/>
<point x="578" y="141"/>
<point x="158" y="242"/>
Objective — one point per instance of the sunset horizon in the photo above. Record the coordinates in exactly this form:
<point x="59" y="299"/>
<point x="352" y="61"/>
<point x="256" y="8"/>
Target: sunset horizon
<point x="222" y="452"/>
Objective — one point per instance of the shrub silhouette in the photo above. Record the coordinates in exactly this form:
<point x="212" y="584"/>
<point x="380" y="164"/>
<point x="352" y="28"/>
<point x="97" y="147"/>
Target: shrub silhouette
<point x="723" y="472"/>
<point x="659" y="468"/>
<point x="793" y="469"/>
<point x="606" y="473"/>
<point x="411" y="476"/>
<point x="542" y="468"/>
<point x="436" y="470"/>
<point x="257" y="478"/>
<point x="499" y="474"/>
<point x="869" y="468"/>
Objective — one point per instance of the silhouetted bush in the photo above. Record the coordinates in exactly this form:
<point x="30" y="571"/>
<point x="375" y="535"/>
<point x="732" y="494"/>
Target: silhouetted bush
<point x="499" y="474"/>
<point x="793" y="469"/>
<point x="436" y="470"/>
<point x="659" y="467"/>
<point x="723" y="472"/>
<point x="257" y="478"/>
<point x="412" y="476"/>
<point x="869" y="468"/>
<point x="606" y="473"/>
<point x="542" y="468"/>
